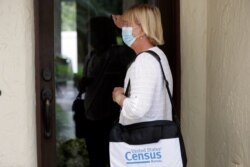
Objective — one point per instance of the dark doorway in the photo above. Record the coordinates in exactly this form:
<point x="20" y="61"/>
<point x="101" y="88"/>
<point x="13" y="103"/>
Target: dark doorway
<point x="57" y="74"/>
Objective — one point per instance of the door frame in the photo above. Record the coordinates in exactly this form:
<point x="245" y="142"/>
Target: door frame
<point x="44" y="67"/>
<point x="44" y="60"/>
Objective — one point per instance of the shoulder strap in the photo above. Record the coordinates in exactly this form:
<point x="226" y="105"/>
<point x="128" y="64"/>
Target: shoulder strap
<point x="174" y="113"/>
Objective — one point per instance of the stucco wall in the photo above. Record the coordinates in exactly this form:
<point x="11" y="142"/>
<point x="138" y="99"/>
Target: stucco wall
<point x="193" y="77"/>
<point x="215" y="48"/>
<point x="228" y="84"/>
<point x="17" y="102"/>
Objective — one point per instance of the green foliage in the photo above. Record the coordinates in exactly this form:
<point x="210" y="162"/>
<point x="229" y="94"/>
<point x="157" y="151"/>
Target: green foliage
<point x="72" y="153"/>
<point x="68" y="15"/>
<point x="80" y="70"/>
<point x="63" y="69"/>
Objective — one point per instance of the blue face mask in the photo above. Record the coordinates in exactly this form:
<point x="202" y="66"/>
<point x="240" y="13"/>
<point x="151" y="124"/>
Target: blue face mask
<point x="127" y="36"/>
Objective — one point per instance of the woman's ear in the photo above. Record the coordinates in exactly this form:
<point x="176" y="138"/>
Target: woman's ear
<point x="138" y="31"/>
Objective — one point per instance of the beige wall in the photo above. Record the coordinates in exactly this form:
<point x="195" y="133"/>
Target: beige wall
<point x="193" y="71"/>
<point x="228" y="84"/>
<point x="17" y="102"/>
<point x="215" y="48"/>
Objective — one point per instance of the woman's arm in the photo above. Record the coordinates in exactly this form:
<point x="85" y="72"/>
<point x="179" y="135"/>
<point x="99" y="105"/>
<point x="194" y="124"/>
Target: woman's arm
<point x="144" y="80"/>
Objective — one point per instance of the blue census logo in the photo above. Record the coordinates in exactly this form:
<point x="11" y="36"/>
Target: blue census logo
<point x="143" y="156"/>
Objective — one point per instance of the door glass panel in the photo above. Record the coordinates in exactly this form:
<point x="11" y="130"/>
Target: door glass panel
<point x="71" y="48"/>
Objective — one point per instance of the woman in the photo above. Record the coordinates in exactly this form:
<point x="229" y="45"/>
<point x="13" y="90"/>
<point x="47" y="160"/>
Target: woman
<point x="148" y="99"/>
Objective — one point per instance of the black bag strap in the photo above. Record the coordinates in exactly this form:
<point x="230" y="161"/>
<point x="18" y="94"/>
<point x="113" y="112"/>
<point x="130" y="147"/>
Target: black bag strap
<point x="174" y="113"/>
<point x="127" y="89"/>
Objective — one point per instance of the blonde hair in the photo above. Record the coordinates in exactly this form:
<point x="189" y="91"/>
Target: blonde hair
<point x="149" y="17"/>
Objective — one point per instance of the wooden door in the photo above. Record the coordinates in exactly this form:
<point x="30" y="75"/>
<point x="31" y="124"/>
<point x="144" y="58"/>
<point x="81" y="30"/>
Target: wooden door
<point x="45" y="92"/>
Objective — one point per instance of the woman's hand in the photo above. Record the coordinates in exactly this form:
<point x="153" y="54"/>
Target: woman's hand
<point x="118" y="95"/>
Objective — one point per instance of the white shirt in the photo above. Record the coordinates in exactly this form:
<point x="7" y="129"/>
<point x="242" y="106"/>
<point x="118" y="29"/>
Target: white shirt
<point x="148" y="98"/>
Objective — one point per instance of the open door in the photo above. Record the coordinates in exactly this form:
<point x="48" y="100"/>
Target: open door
<point x="49" y="39"/>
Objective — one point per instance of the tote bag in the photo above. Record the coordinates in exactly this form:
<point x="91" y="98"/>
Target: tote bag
<point x="148" y="144"/>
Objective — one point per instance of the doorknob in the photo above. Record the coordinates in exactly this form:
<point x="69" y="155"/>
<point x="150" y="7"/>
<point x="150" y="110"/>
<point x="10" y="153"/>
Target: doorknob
<point x="46" y="98"/>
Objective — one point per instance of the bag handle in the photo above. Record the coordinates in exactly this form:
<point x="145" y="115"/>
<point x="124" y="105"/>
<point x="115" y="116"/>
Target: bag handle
<point x="174" y="113"/>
